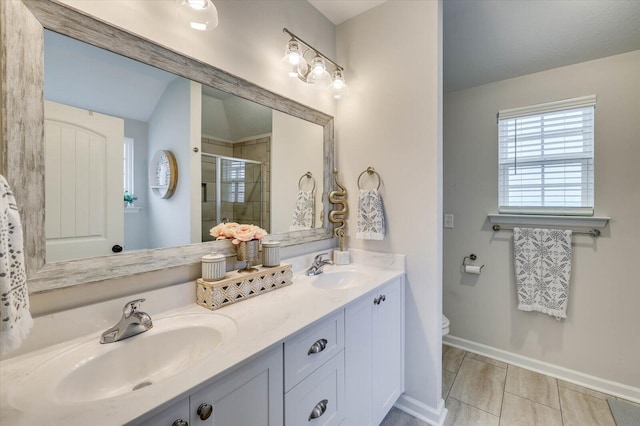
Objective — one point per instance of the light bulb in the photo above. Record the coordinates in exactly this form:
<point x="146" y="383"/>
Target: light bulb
<point x="318" y="67"/>
<point x="318" y="72"/>
<point x="293" y="60"/>
<point x="338" y="87"/>
<point x="201" y="15"/>
<point x="197" y="4"/>
<point x="292" y="53"/>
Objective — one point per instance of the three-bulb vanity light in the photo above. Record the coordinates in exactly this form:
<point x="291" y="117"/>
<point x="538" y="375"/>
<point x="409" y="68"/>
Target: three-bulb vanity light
<point x="313" y="71"/>
<point x="201" y="15"/>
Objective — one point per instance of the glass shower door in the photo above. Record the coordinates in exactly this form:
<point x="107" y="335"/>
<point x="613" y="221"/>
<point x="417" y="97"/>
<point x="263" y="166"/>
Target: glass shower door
<point x="233" y="191"/>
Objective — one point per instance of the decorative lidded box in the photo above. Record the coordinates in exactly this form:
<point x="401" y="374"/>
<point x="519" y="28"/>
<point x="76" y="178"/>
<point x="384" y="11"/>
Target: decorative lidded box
<point x="238" y="286"/>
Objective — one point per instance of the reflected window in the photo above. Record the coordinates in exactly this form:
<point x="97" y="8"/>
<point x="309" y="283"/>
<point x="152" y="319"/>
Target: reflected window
<point x="128" y="165"/>
<point x="233" y="179"/>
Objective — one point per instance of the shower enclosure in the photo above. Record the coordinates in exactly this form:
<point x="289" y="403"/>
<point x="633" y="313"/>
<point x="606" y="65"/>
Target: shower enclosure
<point x="233" y="190"/>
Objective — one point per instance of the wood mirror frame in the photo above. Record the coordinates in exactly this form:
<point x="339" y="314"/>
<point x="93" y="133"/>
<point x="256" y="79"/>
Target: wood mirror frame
<point x="22" y="134"/>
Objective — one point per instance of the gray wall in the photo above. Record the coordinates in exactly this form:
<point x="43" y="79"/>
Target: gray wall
<point x="169" y="129"/>
<point x="600" y="335"/>
<point x="135" y="223"/>
<point x="296" y="148"/>
<point x="391" y="120"/>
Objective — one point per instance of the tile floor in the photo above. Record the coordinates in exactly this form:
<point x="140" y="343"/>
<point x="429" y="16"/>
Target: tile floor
<point x="481" y="391"/>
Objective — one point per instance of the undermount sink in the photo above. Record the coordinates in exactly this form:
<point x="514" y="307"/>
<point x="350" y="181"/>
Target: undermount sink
<point x="91" y="371"/>
<point x="340" y="279"/>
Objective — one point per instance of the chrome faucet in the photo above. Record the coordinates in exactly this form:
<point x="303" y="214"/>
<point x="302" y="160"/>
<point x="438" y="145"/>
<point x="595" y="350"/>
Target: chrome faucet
<point x="317" y="264"/>
<point x="132" y="322"/>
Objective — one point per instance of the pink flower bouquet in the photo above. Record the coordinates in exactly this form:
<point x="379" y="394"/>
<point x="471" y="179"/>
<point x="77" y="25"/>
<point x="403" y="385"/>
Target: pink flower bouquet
<point x="238" y="232"/>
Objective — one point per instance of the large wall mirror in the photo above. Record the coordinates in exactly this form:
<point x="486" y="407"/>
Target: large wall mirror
<point x="243" y="154"/>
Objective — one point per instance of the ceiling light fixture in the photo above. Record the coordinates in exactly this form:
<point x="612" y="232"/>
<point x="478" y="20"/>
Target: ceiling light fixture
<point x="201" y="15"/>
<point x="314" y="71"/>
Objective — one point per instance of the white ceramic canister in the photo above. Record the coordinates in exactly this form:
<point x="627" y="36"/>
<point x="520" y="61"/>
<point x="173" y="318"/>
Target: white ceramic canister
<point x="270" y="253"/>
<point x="214" y="267"/>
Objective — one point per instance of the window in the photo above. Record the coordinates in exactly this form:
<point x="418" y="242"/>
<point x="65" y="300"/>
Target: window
<point x="233" y="177"/>
<point x="128" y="165"/>
<point x="545" y="158"/>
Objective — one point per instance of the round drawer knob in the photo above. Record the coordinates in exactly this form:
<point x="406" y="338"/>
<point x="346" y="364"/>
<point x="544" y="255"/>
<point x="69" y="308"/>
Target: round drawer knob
<point x="204" y="411"/>
<point x="180" y="422"/>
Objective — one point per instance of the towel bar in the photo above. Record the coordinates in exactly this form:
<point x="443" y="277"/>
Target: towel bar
<point x="307" y="175"/>
<point x="595" y="233"/>
<point x="370" y="171"/>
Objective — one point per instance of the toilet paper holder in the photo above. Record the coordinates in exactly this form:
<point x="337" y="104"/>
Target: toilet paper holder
<point x="472" y="257"/>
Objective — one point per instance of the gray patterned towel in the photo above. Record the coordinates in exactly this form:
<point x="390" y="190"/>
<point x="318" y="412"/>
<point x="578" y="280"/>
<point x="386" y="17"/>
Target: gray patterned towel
<point x="15" y="318"/>
<point x="543" y="269"/>
<point x="303" y="215"/>
<point x="370" y="224"/>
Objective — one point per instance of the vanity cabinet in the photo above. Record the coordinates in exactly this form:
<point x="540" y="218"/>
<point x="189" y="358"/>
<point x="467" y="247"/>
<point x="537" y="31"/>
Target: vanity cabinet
<point x="319" y="399"/>
<point x="374" y="362"/>
<point x="345" y="369"/>
<point x="314" y="374"/>
<point x="251" y="395"/>
<point x="312" y="347"/>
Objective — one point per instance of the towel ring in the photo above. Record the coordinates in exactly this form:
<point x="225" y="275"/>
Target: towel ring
<point x="307" y="175"/>
<point x="370" y="170"/>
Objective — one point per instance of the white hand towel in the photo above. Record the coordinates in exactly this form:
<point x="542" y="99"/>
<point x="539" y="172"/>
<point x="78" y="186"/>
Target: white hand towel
<point x="303" y="215"/>
<point x="543" y="269"/>
<point x="370" y="224"/>
<point x="15" y="318"/>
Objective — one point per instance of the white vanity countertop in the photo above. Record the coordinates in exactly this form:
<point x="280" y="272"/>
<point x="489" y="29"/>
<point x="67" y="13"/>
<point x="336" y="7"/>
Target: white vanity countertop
<point x="262" y="322"/>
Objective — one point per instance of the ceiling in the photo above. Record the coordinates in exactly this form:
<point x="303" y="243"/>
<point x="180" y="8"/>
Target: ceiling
<point x="492" y="40"/>
<point x="88" y="77"/>
<point x="340" y="11"/>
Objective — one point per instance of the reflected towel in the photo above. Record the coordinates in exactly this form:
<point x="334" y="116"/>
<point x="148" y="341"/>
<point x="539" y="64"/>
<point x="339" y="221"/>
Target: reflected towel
<point x="303" y="215"/>
<point x="543" y="269"/>
<point x="370" y="224"/>
<point x="15" y="318"/>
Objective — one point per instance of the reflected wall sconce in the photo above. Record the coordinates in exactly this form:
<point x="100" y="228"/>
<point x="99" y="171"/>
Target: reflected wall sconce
<point x="313" y="71"/>
<point x="201" y="15"/>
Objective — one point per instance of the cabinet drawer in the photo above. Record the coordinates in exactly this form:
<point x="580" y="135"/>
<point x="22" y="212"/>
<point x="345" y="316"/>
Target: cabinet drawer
<point x="312" y="347"/>
<point x="319" y="399"/>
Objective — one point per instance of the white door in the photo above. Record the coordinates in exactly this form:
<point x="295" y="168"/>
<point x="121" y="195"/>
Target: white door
<point x="84" y="212"/>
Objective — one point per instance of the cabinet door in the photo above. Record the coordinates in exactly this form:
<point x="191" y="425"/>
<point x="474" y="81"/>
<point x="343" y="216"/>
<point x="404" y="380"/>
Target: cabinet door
<point x="374" y="354"/>
<point x="359" y="361"/>
<point x="388" y="348"/>
<point x="252" y="395"/>
<point x="170" y="416"/>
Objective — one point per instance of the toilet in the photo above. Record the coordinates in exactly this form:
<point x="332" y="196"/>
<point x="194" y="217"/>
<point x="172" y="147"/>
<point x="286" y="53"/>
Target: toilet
<point x="445" y="325"/>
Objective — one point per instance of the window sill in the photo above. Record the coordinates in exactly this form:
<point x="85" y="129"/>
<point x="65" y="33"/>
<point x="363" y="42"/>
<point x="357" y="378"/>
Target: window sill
<point x="547" y="220"/>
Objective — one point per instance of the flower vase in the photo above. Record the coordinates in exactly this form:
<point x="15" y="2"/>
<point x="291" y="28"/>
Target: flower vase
<point x="247" y="251"/>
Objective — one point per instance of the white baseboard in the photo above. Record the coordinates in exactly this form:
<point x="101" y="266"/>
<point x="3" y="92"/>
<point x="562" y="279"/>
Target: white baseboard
<point x="422" y="411"/>
<point x="596" y="383"/>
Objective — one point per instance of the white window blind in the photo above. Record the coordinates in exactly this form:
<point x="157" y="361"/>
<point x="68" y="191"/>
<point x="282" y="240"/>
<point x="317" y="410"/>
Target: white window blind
<point x="545" y="156"/>
<point x="233" y="180"/>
